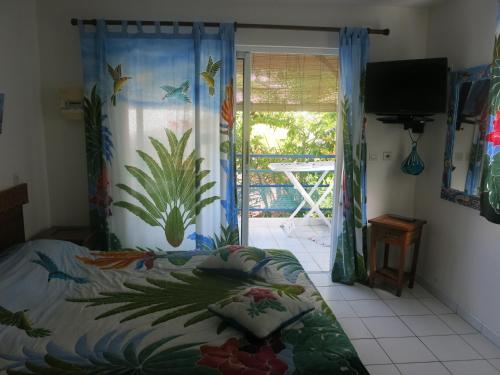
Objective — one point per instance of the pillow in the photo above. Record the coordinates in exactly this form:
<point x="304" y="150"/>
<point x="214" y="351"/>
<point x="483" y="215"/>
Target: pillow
<point x="235" y="259"/>
<point x="261" y="311"/>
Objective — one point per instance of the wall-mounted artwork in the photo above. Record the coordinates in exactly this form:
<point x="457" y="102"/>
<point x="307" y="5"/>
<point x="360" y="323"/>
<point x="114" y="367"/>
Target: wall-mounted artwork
<point x="2" y="97"/>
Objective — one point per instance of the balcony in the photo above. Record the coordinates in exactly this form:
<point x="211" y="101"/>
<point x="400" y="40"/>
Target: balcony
<point x="272" y="199"/>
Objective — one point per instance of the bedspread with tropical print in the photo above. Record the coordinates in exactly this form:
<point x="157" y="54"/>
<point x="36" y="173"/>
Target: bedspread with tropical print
<point x="67" y="310"/>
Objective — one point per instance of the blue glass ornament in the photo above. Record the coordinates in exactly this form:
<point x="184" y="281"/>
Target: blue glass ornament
<point x="413" y="164"/>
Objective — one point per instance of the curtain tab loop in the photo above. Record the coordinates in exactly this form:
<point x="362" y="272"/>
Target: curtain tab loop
<point x="139" y="27"/>
<point x="157" y="27"/>
<point x="198" y="28"/>
<point x="176" y="28"/>
<point x="124" y="27"/>
<point x="81" y="27"/>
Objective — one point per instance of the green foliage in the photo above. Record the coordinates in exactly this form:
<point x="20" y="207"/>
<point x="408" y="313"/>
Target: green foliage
<point x="287" y="262"/>
<point x="495" y="78"/>
<point x="493" y="183"/>
<point x="228" y="236"/>
<point x="152" y="359"/>
<point x="257" y="308"/>
<point x="323" y="305"/>
<point x="190" y="293"/>
<point x="174" y="189"/>
<point x="306" y="133"/>
<point x="321" y="347"/>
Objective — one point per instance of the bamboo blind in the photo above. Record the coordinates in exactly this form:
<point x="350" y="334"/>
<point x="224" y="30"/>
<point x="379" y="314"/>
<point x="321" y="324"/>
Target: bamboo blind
<point x="291" y="82"/>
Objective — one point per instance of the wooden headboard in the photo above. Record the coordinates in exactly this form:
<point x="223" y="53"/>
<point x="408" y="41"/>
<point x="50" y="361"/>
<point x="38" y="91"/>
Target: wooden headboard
<point x="11" y="215"/>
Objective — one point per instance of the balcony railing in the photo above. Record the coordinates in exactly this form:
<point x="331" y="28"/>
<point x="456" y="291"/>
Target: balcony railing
<point x="272" y="194"/>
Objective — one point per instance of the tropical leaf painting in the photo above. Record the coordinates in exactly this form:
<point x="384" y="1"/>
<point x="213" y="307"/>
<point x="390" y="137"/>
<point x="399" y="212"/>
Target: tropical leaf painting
<point x="350" y="222"/>
<point x="490" y="188"/>
<point x="493" y="183"/>
<point x="114" y="353"/>
<point x="190" y="293"/>
<point x="287" y="262"/>
<point x="174" y="188"/>
<point x="228" y="236"/>
<point x="321" y="347"/>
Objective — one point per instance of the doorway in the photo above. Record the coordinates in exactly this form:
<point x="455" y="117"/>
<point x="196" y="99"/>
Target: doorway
<point x="286" y="110"/>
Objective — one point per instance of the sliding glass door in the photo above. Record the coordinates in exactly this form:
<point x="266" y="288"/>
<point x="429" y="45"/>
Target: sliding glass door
<point x="286" y="105"/>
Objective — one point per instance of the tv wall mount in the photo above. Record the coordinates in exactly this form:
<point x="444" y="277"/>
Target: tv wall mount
<point x="415" y="123"/>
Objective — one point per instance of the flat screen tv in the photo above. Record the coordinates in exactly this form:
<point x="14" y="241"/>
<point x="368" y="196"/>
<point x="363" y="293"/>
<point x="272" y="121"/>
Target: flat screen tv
<point x="406" y="87"/>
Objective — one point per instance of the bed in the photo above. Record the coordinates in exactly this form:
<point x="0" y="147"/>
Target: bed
<point x="67" y="310"/>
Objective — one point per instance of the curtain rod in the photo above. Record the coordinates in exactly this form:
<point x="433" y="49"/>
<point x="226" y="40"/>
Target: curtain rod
<point x="237" y="25"/>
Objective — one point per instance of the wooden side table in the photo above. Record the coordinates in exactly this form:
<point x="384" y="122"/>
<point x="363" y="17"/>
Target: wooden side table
<point x="397" y="231"/>
<point x="83" y="236"/>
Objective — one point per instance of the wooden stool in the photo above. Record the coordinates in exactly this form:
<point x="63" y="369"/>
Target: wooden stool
<point x="398" y="231"/>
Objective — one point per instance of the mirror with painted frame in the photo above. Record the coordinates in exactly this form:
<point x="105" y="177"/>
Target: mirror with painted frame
<point x="467" y="124"/>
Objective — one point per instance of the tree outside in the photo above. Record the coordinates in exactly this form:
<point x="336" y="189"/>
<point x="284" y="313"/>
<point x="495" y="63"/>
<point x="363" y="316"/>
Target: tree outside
<point x="291" y="135"/>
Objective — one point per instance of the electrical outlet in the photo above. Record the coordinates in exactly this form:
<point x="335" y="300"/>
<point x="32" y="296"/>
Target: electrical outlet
<point x="373" y="156"/>
<point x="387" y="155"/>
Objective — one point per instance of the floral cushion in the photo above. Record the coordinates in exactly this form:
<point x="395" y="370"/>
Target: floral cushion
<point x="261" y="311"/>
<point x="236" y="259"/>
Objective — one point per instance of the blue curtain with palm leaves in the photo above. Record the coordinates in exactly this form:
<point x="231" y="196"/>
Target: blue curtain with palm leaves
<point x="349" y="224"/>
<point x="159" y="117"/>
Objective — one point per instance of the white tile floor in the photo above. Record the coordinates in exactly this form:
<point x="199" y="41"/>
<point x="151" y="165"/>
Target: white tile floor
<point x="412" y="335"/>
<point x="314" y="255"/>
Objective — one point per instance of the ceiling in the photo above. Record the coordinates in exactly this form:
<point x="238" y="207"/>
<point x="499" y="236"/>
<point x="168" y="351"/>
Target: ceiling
<point x="401" y="3"/>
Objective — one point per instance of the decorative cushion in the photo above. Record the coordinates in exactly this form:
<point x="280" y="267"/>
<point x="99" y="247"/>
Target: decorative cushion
<point x="261" y="311"/>
<point x="239" y="260"/>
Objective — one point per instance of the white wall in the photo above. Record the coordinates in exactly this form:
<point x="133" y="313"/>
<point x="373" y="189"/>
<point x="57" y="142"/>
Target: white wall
<point x="22" y="151"/>
<point x="461" y="250"/>
<point x="60" y="67"/>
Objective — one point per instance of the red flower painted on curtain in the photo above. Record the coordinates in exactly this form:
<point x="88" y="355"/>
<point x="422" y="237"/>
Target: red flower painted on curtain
<point x="230" y="360"/>
<point x="494" y="136"/>
<point x="227" y="108"/>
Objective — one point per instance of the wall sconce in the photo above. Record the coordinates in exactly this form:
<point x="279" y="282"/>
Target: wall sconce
<point x="71" y="104"/>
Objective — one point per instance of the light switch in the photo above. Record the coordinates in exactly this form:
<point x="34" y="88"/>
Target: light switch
<point x="373" y="156"/>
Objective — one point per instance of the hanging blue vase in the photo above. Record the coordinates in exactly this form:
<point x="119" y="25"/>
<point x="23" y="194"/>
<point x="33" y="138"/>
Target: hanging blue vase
<point x="413" y="164"/>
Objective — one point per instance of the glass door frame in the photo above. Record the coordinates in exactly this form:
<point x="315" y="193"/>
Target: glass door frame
<point x="245" y="160"/>
<point x="244" y="53"/>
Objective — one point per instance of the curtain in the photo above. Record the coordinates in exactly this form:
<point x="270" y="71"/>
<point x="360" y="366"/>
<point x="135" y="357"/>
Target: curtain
<point x="490" y="181"/>
<point x="158" y="111"/>
<point x="349" y="223"/>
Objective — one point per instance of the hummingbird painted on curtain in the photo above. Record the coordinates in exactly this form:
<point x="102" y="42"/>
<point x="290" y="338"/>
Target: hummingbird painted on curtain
<point x="180" y="93"/>
<point x="54" y="271"/>
<point x="21" y="321"/>
<point x="118" y="81"/>
<point x="209" y="74"/>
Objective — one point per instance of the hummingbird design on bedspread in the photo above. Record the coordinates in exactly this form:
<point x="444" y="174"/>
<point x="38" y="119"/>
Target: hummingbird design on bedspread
<point x="118" y="81"/>
<point x="209" y="74"/>
<point x="21" y="321"/>
<point x="54" y="272"/>
<point x="180" y="93"/>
